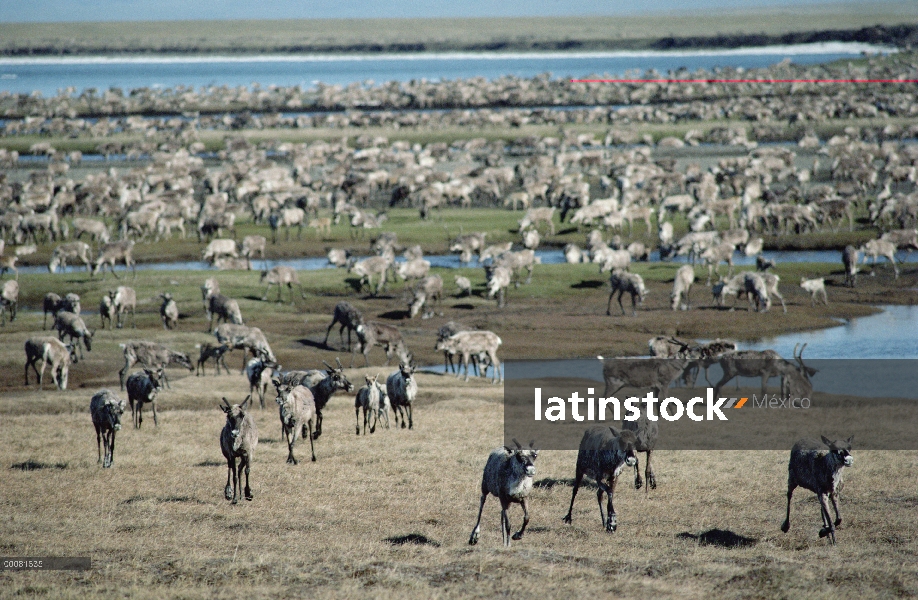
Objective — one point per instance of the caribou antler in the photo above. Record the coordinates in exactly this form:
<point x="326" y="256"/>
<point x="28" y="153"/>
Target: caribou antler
<point x="518" y="445"/>
<point x="328" y="365"/>
<point x="338" y="360"/>
<point x="678" y="342"/>
<point x="808" y="371"/>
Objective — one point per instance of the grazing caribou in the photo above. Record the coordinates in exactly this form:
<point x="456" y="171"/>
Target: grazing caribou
<point x="795" y="377"/>
<point x="631" y="283"/>
<point x="349" y="318"/>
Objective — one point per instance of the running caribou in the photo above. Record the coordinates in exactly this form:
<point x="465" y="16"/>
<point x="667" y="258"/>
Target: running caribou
<point x="818" y="467"/>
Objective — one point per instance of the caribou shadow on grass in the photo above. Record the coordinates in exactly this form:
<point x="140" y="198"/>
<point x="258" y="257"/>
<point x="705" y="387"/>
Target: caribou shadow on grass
<point x="723" y="538"/>
<point x="33" y="465"/>
<point x="548" y="483"/>
<point x="395" y="315"/>
<point x="416" y="539"/>
<point x="588" y="285"/>
<point x="319" y="346"/>
<point x="165" y="500"/>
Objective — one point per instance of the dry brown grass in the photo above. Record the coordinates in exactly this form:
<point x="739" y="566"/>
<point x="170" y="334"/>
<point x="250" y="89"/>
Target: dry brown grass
<point x="156" y="524"/>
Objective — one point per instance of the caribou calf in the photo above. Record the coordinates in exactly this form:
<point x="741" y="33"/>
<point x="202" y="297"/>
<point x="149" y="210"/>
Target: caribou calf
<point x="212" y="352"/>
<point x="142" y="387"/>
<point x="815" y="287"/>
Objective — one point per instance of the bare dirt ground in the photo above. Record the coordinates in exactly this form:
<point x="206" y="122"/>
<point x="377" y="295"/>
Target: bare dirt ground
<point x="560" y="315"/>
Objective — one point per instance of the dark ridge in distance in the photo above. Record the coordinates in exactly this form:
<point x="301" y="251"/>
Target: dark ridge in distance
<point x="904" y="35"/>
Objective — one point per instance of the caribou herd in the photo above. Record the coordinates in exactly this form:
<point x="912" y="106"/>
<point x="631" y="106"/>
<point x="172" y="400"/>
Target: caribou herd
<point x="621" y="198"/>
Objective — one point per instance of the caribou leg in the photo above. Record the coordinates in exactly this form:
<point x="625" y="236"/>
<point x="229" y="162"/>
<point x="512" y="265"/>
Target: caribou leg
<point x="578" y="478"/>
<point x="228" y="491"/>
<point x="649" y="475"/>
<point x="834" y="497"/>
<point x="790" y="492"/>
<point x="519" y="534"/>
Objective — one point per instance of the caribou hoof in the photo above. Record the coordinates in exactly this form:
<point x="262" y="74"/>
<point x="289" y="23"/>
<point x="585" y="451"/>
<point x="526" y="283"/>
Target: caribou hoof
<point x="517" y="536"/>
<point x="228" y="493"/>
<point x="473" y="539"/>
<point x="612" y="523"/>
<point x="838" y="521"/>
<point x="567" y="518"/>
<point x="826" y="531"/>
<point x="638" y="482"/>
<point x="785" y="527"/>
<point x="652" y="482"/>
<point x="248" y="494"/>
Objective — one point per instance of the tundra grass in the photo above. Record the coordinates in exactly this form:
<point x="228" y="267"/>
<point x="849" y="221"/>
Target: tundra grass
<point x="413" y="35"/>
<point x="214" y="140"/>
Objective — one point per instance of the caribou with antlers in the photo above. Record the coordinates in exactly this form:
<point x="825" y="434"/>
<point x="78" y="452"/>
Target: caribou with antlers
<point x="795" y="376"/>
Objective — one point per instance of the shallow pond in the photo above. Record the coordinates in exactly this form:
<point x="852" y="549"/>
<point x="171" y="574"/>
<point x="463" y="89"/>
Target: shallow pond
<point x="871" y="356"/>
<point x="451" y="261"/>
